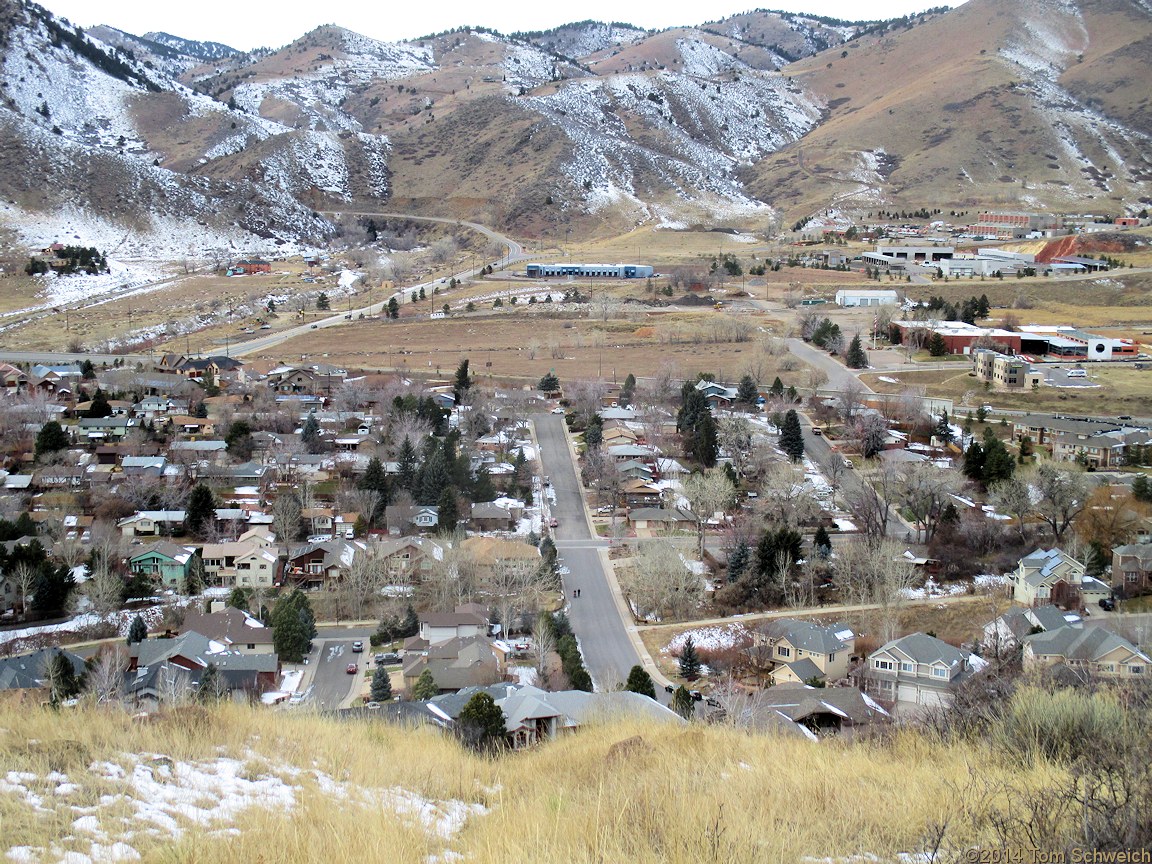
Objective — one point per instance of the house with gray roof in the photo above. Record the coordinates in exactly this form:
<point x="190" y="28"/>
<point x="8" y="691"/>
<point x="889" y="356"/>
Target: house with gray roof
<point x="1004" y="635"/>
<point x="1094" y="650"/>
<point x="821" y="710"/>
<point x="1053" y="576"/>
<point x="468" y="661"/>
<point x="25" y="675"/>
<point x="796" y="651"/>
<point x="917" y="669"/>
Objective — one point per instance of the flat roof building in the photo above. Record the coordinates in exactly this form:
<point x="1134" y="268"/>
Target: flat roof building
<point x="605" y="271"/>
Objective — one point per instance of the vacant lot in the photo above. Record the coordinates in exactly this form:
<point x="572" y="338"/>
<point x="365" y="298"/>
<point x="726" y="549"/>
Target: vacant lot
<point x="1123" y="390"/>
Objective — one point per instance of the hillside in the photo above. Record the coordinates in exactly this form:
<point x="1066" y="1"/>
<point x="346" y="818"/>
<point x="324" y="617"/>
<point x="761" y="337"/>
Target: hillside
<point x="233" y="784"/>
<point x="993" y="104"/>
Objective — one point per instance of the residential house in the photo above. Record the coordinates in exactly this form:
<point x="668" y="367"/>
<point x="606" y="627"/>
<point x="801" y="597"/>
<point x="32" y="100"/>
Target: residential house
<point x="111" y="428"/>
<point x="533" y="716"/>
<point x="488" y="552"/>
<point x="1096" y="650"/>
<point x="626" y="452"/>
<point x="318" y="520"/>
<point x="716" y="395"/>
<point x="634" y="469"/>
<point x="1004" y="635"/>
<point x="1132" y="569"/>
<point x="167" y="563"/>
<point x="822" y="711"/>
<point x="143" y="466"/>
<point x="1052" y="576"/>
<point x="152" y="523"/>
<point x="12" y="379"/>
<point x="661" y="519"/>
<point x="489" y="516"/>
<point x="24" y="677"/>
<point x="244" y="564"/>
<point x="436" y="627"/>
<point x="468" y="661"/>
<point x="917" y="670"/>
<point x="231" y="627"/>
<point x="249" y="266"/>
<point x="638" y="493"/>
<point x="160" y="670"/>
<point x="803" y="651"/>
<point x="316" y="565"/>
<point x="317" y="380"/>
<point x="407" y="559"/>
<point x="400" y="518"/>
<point x="1099" y="443"/>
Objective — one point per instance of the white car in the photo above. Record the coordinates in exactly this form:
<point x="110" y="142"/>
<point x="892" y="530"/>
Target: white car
<point x="557" y="410"/>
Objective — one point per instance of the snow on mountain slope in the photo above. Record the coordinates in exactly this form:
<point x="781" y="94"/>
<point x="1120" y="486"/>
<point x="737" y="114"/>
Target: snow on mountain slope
<point x="306" y="160"/>
<point x="191" y="47"/>
<point x="696" y="132"/>
<point x="585" y="38"/>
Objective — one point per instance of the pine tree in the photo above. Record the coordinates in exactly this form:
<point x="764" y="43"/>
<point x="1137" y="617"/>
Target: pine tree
<point x="310" y="434"/>
<point x="293" y="627"/>
<point x="937" y="347"/>
<point x="425" y="687"/>
<point x="481" y="723"/>
<point x="434" y="478"/>
<point x="791" y="438"/>
<point x="62" y="681"/>
<point x="407" y="464"/>
<point x="322" y="302"/>
<point x="549" y="383"/>
<point x="704" y="446"/>
<point x="777" y="388"/>
<point x="99" y="406"/>
<point x="381" y="689"/>
<point x="449" y="513"/>
<point x="411" y="624"/>
<point x="822" y="543"/>
<point x="1142" y="488"/>
<point x="943" y="431"/>
<point x="747" y="393"/>
<point x="974" y="461"/>
<point x="689" y="660"/>
<point x="856" y="358"/>
<point x="50" y="439"/>
<point x="194" y="580"/>
<point x="640" y="682"/>
<point x="463" y="381"/>
<point x="137" y="630"/>
<point x="983" y="307"/>
<point x="998" y="463"/>
<point x="209" y="688"/>
<point x="200" y="509"/>
<point x="738" y="561"/>
<point x="393" y="308"/>
<point x="682" y="703"/>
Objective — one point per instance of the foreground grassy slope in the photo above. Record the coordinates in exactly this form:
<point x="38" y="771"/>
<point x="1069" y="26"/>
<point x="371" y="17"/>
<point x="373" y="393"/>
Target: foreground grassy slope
<point x="324" y="790"/>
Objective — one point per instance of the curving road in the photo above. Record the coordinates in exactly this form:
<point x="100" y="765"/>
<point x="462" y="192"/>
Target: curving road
<point x="265" y="343"/>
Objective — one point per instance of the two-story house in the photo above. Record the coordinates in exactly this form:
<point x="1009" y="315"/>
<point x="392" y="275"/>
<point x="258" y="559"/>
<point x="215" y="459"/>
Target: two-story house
<point x="1132" y="569"/>
<point x="800" y="651"/>
<point x="407" y="559"/>
<point x="1053" y="576"/>
<point x="917" y="669"/>
<point x="151" y="523"/>
<point x="244" y="564"/>
<point x="166" y="563"/>
<point x="316" y="565"/>
<point x="1096" y="650"/>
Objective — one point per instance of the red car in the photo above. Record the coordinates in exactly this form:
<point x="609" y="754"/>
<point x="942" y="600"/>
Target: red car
<point x="352" y="669"/>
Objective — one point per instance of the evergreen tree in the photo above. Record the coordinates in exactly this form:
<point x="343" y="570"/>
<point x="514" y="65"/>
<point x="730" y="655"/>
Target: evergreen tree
<point x="943" y="430"/>
<point x="449" y="514"/>
<point x="239" y="440"/>
<point x="983" y="307"/>
<point x="310" y="434"/>
<point x="1141" y="488"/>
<point x="411" y="624"/>
<point x="200" y="509"/>
<point x="791" y="438"/>
<point x="682" y="703"/>
<point x="375" y="480"/>
<point x="974" y="461"/>
<point x="210" y="687"/>
<point x="998" y="463"/>
<point x="99" y="406"/>
<point x="425" y="687"/>
<point x="293" y="627"/>
<point x="822" y="543"/>
<point x="549" y="383"/>
<point x="689" y="660"/>
<point x="50" y="439"/>
<point x="482" y="488"/>
<point x="62" y="681"/>
<point x="594" y="434"/>
<point x="937" y="347"/>
<point x="238" y="598"/>
<point x="407" y="465"/>
<point x="194" y="581"/>
<point x="137" y="630"/>
<point x="87" y="371"/>
<point x="51" y="589"/>
<point x="777" y="388"/>
<point x="323" y="303"/>
<point x="738" y="561"/>
<point x="381" y="689"/>
<point x="704" y="446"/>
<point x="481" y="723"/>
<point x="856" y="358"/>
<point x="463" y="381"/>
<point x="746" y="392"/>
<point x="434" y="478"/>
<point x="640" y="682"/>
<point x="393" y="308"/>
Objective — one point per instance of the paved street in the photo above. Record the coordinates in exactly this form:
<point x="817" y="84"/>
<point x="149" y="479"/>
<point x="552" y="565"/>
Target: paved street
<point x="596" y="617"/>
<point x="332" y="687"/>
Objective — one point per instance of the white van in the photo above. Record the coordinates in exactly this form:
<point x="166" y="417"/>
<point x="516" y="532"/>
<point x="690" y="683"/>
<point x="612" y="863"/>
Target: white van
<point x="1077" y="373"/>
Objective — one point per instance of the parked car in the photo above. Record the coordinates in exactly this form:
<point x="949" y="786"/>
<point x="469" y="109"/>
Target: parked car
<point x="1107" y="604"/>
<point x="387" y="657"/>
<point x="379" y="659"/>
<point x="668" y="688"/>
<point x="547" y="480"/>
<point x="696" y="695"/>
<point x="357" y="647"/>
<point x="351" y="668"/>
<point x="557" y="410"/>
<point x="553" y="522"/>
<point x="712" y="703"/>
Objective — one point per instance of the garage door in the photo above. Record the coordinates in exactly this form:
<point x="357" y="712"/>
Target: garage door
<point x="931" y="698"/>
<point x="908" y="693"/>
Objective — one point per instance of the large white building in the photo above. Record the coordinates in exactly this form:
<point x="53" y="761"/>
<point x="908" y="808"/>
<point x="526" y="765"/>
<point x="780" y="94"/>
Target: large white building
<point x="865" y="297"/>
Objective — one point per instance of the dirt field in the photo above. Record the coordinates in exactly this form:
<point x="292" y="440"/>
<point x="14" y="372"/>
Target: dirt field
<point x="524" y="343"/>
<point x="1123" y="390"/>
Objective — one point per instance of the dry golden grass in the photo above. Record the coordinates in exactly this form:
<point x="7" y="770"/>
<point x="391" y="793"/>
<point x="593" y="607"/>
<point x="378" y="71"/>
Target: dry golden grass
<point x="670" y="794"/>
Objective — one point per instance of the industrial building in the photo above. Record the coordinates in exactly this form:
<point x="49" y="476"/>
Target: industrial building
<point x="1005" y="371"/>
<point x="1013" y="225"/>
<point x="849" y="297"/>
<point x="1055" y="341"/>
<point x="605" y="271"/>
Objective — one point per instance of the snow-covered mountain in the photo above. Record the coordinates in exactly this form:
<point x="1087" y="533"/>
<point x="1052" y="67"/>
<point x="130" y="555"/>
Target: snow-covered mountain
<point x="206" y="51"/>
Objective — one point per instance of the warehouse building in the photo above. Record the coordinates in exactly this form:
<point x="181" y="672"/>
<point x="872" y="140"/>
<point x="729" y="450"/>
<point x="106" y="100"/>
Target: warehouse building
<point x="604" y="271"/>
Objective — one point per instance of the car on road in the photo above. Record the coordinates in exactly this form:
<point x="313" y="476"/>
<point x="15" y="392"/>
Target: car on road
<point x="696" y="695"/>
<point x="357" y="647"/>
<point x="848" y="463"/>
<point x="313" y="327"/>
<point x="352" y="668"/>
<point x="553" y="522"/>
<point x="547" y="480"/>
<point x="557" y="410"/>
<point x="817" y="431"/>
<point x="1124" y="417"/>
<point x="668" y="688"/>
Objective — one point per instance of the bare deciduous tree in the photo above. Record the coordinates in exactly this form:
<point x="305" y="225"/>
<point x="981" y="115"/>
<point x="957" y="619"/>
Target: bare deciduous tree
<point x="875" y="573"/>
<point x="659" y="582"/>
<point x="708" y="492"/>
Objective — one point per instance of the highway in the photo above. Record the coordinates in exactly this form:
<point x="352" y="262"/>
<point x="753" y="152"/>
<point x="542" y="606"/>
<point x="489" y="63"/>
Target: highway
<point x="598" y="618"/>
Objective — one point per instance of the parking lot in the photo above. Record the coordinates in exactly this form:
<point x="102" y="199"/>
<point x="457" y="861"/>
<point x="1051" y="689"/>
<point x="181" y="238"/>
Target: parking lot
<point x="1057" y="376"/>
